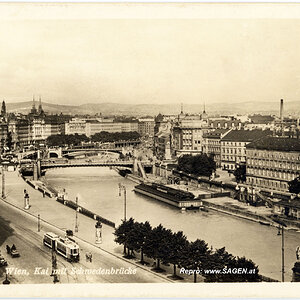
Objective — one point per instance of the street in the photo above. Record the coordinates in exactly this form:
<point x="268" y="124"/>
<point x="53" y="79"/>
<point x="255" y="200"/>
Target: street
<point x="33" y="254"/>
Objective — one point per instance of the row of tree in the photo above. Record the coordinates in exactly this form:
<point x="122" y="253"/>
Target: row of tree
<point x="105" y="136"/>
<point x="199" y="165"/>
<point x="66" y="139"/>
<point x="169" y="247"/>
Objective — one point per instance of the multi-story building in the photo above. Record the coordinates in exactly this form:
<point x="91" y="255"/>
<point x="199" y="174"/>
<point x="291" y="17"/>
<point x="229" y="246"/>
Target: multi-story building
<point x="23" y="130"/>
<point x="272" y="162"/>
<point x="12" y="129"/>
<point x="225" y="123"/>
<point x="146" y="127"/>
<point x="75" y="125"/>
<point x="129" y="126"/>
<point x="3" y="135"/>
<point x="188" y="135"/>
<point x="93" y="126"/>
<point x="233" y="146"/>
<point x="258" y="121"/>
<point x="212" y="144"/>
<point x="162" y="142"/>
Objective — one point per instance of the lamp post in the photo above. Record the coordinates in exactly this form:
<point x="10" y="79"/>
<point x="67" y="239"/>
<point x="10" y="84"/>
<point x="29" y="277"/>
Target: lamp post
<point x="76" y="215"/>
<point x="39" y="223"/>
<point x="3" y="183"/>
<point x="123" y="188"/>
<point x="282" y="250"/>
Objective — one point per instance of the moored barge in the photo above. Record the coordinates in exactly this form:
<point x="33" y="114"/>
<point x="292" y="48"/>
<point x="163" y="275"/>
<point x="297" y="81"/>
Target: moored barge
<point x="174" y="197"/>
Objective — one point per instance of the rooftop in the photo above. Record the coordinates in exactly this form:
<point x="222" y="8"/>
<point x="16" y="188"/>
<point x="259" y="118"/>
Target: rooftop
<point x="260" y="119"/>
<point x="276" y="144"/>
<point x="216" y="133"/>
<point x="246" y="135"/>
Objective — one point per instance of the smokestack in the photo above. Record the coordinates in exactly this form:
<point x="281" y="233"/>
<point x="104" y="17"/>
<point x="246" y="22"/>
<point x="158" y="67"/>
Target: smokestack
<point x="281" y="110"/>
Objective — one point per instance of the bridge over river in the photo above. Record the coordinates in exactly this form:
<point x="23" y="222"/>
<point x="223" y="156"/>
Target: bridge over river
<point x="67" y="164"/>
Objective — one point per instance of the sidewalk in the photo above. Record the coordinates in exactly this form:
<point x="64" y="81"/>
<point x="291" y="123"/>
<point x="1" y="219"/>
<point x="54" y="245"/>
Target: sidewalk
<point x="63" y="218"/>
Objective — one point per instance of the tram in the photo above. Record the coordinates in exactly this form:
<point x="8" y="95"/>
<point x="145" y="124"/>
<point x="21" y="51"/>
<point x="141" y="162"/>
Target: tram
<point x="66" y="247"/>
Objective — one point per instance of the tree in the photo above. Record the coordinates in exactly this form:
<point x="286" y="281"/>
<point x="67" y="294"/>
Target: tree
<point x="177" y="248"/>
<point x="156" y="245"/>
<point x="294" y="185"/>
<point x="143" y="231"/>
<point x="66" y="139"/>
<point x="106" y="137"/>
<point x="199" y="165"/>
<point x="123" y="236"/>
<point x="216" y="263"/>
<point x="197" y="257"/>
<point x="240" y="173"/>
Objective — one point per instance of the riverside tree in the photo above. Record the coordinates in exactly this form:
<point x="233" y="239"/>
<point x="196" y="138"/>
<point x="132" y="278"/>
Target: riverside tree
<point x="123" y="234"/>
<point x="178" y="246"/>
<point x="106" y="137"/>
<point x="142" y="231"/>
<point x="199" y="165"/>
<point x="294" y="185"/>
<point x="66" y="139"/>
<point x="161" y="244"/>
<point x="197" y="257"/>
<point x="240" y="173"/>
<point x="156" y="245"/>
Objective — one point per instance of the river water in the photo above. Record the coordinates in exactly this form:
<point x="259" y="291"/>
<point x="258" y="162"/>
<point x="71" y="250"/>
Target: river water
<point x="97" y="190"/>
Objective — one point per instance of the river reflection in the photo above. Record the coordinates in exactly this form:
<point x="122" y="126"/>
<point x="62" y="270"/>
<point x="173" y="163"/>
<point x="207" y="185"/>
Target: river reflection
<point x="97" y="190"/>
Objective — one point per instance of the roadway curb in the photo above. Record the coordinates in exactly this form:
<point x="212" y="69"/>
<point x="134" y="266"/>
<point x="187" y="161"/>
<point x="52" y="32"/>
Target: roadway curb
<point x="87" y="242"/>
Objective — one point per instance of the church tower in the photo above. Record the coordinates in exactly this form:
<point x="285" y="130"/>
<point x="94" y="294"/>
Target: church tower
<point x="204" y="114"/>
<point x="40" y="109"/>
<point x="33" y="109"/>
<point x="3" y="109"/>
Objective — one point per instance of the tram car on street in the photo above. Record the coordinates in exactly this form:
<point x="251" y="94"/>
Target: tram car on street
<point x="66" y="247"/>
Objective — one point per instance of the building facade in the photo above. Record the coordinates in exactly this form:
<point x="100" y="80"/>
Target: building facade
<point x="233" y="146"/>
<point x="272" y="162"/>
<point x="146" y="127"/>
<point x="188" y="135"/>
<point x="212" y="144"/>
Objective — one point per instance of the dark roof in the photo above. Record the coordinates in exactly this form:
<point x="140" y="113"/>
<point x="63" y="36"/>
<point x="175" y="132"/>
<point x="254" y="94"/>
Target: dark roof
<point x="216" y="133"/>
<point x="276" y="144"/>
<point x="246" y="135"/>
<point x="259" y="119"/>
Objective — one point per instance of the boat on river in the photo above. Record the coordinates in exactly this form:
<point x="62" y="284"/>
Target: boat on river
<point x="169" y="195"/>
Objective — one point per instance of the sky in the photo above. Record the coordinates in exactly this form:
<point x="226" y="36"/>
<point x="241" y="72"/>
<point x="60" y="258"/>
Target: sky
<point x="149" y="60"/>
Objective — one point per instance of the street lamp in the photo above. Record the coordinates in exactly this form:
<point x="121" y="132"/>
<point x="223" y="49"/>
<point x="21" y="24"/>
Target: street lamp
<point x="3" y="183"/>
<point x="123" y="188"/>
<point x="281" y="232"/>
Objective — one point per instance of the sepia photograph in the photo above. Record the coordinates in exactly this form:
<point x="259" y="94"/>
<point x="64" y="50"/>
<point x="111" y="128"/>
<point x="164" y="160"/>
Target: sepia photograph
<point x="149" y="149"/>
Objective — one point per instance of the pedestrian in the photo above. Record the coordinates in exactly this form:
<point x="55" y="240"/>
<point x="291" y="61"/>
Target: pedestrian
<point x="91" y="257"/>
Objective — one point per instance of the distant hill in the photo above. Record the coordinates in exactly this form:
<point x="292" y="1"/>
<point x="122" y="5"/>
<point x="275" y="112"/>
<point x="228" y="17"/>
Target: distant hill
<point x="154" y="109"/>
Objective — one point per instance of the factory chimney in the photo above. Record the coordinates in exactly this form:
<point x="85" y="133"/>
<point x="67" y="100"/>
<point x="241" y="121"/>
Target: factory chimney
<point x="281" y="110"/>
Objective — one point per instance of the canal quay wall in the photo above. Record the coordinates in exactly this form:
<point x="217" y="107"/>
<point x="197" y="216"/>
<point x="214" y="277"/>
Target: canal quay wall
<point x="238" y="213"/>
<point x="49" y="191"/>
<point x="203" y="183"/>
<point x="85" y="211"/>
